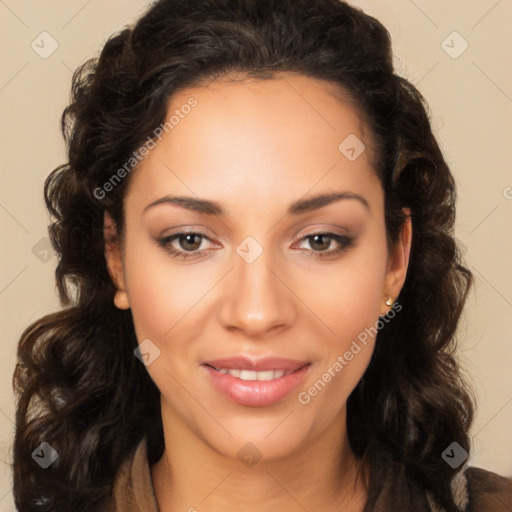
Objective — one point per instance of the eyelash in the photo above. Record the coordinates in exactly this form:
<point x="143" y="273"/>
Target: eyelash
<point x="165" y="242"/>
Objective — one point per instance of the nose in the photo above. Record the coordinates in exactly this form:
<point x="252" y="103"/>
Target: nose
<point x="257" y="299"/>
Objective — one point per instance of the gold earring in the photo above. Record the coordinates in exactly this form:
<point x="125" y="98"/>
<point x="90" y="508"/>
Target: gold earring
<point x="389" y="301"/>
<point x="121" y="300"/>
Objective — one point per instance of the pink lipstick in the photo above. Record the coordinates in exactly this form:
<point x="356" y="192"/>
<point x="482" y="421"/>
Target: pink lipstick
<point x="256" y="383"/>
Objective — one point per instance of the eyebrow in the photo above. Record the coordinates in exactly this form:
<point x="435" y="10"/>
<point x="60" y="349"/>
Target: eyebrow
<point x="207" y="207"/>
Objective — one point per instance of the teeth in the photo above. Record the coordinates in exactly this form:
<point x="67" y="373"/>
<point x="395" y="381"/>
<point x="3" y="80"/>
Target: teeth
<point x="252" y="375"/>
<point x="248" y="375"/>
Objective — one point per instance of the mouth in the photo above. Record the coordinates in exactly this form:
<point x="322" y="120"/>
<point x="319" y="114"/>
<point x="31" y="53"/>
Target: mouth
<point x="265" y="375"/>
<point x="256" y="383"/>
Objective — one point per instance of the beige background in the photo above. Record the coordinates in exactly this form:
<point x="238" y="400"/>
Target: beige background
<point x="471" y="101"/>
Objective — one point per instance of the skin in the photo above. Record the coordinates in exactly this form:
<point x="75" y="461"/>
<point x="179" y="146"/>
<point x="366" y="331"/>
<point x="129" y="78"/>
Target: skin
<point x="256" y="146"/>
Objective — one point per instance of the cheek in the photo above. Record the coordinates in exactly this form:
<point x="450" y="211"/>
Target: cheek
<point x="351" y="309"/>
<point x="161" y="293"/>
<point x="349" y="298"/>
<point x="348" y="301"/>
<point x="166" y="301"/>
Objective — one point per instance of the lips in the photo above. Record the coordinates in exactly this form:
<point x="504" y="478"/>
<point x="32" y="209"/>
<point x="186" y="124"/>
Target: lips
<point x="256" y="383"/>
<point x="269" y="363"/>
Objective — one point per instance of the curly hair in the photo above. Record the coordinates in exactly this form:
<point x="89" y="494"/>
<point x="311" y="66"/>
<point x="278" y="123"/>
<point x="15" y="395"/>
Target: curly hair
<point x="79" y="386"/>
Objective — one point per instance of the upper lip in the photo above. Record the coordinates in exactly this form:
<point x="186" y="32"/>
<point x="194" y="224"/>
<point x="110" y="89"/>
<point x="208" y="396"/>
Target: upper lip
<point x="265" y="363"/>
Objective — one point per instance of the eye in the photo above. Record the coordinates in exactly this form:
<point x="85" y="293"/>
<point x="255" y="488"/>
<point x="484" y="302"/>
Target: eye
<point x="321" y="243"/>
<point x="188" y="242"/>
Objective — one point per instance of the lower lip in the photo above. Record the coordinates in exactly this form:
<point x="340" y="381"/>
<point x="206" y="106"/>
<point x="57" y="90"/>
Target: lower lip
<point x="256" y="393"/>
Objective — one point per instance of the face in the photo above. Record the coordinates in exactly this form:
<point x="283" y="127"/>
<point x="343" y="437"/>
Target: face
<point x="253" y="296"/>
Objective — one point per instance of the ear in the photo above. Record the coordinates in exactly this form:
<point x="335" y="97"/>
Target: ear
<point x="114" y="261"/>
<point x="398" y="262"/>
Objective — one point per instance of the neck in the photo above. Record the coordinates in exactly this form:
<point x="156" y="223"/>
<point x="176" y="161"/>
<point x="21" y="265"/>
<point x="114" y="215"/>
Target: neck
<point x="322" y="475"/>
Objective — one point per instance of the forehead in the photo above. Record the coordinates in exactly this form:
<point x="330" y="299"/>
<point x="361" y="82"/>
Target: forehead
<point x="258" y="137"/>
<point x="291" y="103"/>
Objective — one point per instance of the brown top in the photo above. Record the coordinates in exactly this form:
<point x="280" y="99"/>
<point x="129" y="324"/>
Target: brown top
<point x="476" y="489"/>
<point x="133" y="488"/>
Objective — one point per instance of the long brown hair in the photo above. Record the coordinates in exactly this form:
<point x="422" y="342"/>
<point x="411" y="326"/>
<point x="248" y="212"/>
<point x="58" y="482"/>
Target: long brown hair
<point x="79" y="386"/>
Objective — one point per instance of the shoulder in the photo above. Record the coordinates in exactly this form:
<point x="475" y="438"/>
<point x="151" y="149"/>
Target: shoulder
<point x="133" y="488"/>
<point x="488" y="491"/>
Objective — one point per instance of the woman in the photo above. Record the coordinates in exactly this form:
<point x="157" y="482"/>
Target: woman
<point x="255" y="231"/>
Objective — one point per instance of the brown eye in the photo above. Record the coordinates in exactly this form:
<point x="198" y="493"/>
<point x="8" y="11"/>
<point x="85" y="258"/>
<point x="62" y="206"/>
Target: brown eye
<point x="183" y="245"/>
<point x="320" y="244"/>
<point x="186" y="241"/>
